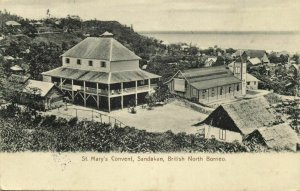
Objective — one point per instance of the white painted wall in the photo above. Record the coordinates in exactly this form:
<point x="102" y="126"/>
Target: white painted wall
<point x="124" y="65"/>
<point x="85" y="64"/>
<point x="228" y="136"/>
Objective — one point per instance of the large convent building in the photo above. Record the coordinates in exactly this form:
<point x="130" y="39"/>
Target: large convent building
<point x="100" y="72"/>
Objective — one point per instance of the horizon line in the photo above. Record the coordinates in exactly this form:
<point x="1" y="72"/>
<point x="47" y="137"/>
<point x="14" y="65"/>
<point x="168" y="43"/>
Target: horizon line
<point x="220" y="31"/>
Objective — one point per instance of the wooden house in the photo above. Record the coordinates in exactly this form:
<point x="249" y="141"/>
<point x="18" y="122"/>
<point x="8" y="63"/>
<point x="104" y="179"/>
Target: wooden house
<point x="208" y="85"/>
<point x="279" y="137"/>
<point x="102" y="73"/>
<point x="250" y="54"/>
<point x="233" y="121"/>
<point x="252" y="82"/>
<point x="46" y="94"/>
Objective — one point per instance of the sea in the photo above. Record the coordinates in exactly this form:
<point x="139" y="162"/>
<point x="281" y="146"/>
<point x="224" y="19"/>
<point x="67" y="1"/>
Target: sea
<point x="269" y="41"/>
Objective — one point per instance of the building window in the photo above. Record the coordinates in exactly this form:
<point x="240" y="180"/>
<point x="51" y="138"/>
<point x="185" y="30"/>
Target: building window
<point x="238" y="87"/>
<point x="237" y="70"/>
<point x="194" y="92"/>
<point x="221" y="91"/>
<point x="90" y="63"/>
<point x="248" y="83"/>
<point x="78" y="61"/>
<point x="67" y="60"/>
<point x="229" y="90"/>
<point x="222" y="134"/>
<point x="103" y="64"/>
<point x="254" y="83"/>
<point x="212" y="92"/>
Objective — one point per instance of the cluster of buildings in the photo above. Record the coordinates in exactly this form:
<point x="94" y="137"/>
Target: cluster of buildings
<point x="101" y="73"/>
<point x="214" y="84"/>
<point x="250" y="121"/>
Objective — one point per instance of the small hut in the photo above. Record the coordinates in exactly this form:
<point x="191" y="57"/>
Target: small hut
<point x="49" y="95"/>
<point x="233" y="121"/>
<point x="279" y="137"/>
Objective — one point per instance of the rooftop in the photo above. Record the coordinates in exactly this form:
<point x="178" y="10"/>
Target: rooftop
<point x="100" y="77"/>
<point x="279" y="136"/>
<point x="12" y="23"/>
<point x="101" y="49"/>
<point x="38" y="87"/>
<point x="251" y="114"/>
<point x="204" y="78"/>
<point x="251" y="78"/>
<point x="254" y="61"/>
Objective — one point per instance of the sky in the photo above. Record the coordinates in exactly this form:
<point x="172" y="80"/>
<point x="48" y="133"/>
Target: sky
<point x="172" y="15"/>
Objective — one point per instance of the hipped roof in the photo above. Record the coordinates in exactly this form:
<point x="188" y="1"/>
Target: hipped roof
<point x="100" y="77"/>
<point x="101" y="49"/>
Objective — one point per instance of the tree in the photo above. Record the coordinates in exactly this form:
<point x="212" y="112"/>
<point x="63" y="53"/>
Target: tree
<point x="219" y="62"/>
<point x="162" y="92"/>
<point x="294" y="112"/>
<point x="43" y="57"/>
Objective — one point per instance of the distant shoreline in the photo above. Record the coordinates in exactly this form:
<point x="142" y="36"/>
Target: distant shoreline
<point x="219" y="32"/>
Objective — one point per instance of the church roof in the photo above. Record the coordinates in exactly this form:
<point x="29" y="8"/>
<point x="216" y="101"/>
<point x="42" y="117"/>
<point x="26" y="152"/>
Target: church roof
<point x="101" y="49"/>
<point x="204" y="78"/>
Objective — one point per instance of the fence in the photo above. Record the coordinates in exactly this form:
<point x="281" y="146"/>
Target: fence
<point x="92" y="115"/>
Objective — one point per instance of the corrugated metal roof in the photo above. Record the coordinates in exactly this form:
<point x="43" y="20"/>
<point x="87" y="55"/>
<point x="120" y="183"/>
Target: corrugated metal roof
<point x="101" y="49"/>
<point x="221" y="81"/>
<point x="127" y="76"/>
<point x="204" y="71"/>
<point x="77" y="74"/>
<point x="204" y="78"/>
<point x="100" y="77"/>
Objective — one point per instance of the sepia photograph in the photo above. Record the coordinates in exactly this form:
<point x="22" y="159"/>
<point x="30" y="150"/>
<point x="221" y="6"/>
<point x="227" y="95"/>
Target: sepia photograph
<point x="112" y="86"/>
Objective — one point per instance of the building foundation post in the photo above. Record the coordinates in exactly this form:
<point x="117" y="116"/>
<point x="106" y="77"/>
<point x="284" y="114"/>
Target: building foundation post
<point x="84" y="94"/>
<point x="136" y="99"/>
<point x="72" y="91"/>
<point x="97" y="95"/>
<point x="122" y="98"/>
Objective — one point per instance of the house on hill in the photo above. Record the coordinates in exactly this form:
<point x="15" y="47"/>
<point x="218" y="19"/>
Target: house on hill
<point x="12" y="23"/>
<point x="20" y="79"/>
<point x="49" y="96"/>
<point x="102" y="73"/>
<point x="252" y="82"/>
<point x="252" y="62"/>
<point x="251" y="54"/>
<point x="233" y="121"/>
<point x="279" y="137"/>
<point x="210" y="61"/>
<point x="16" y="69"/>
